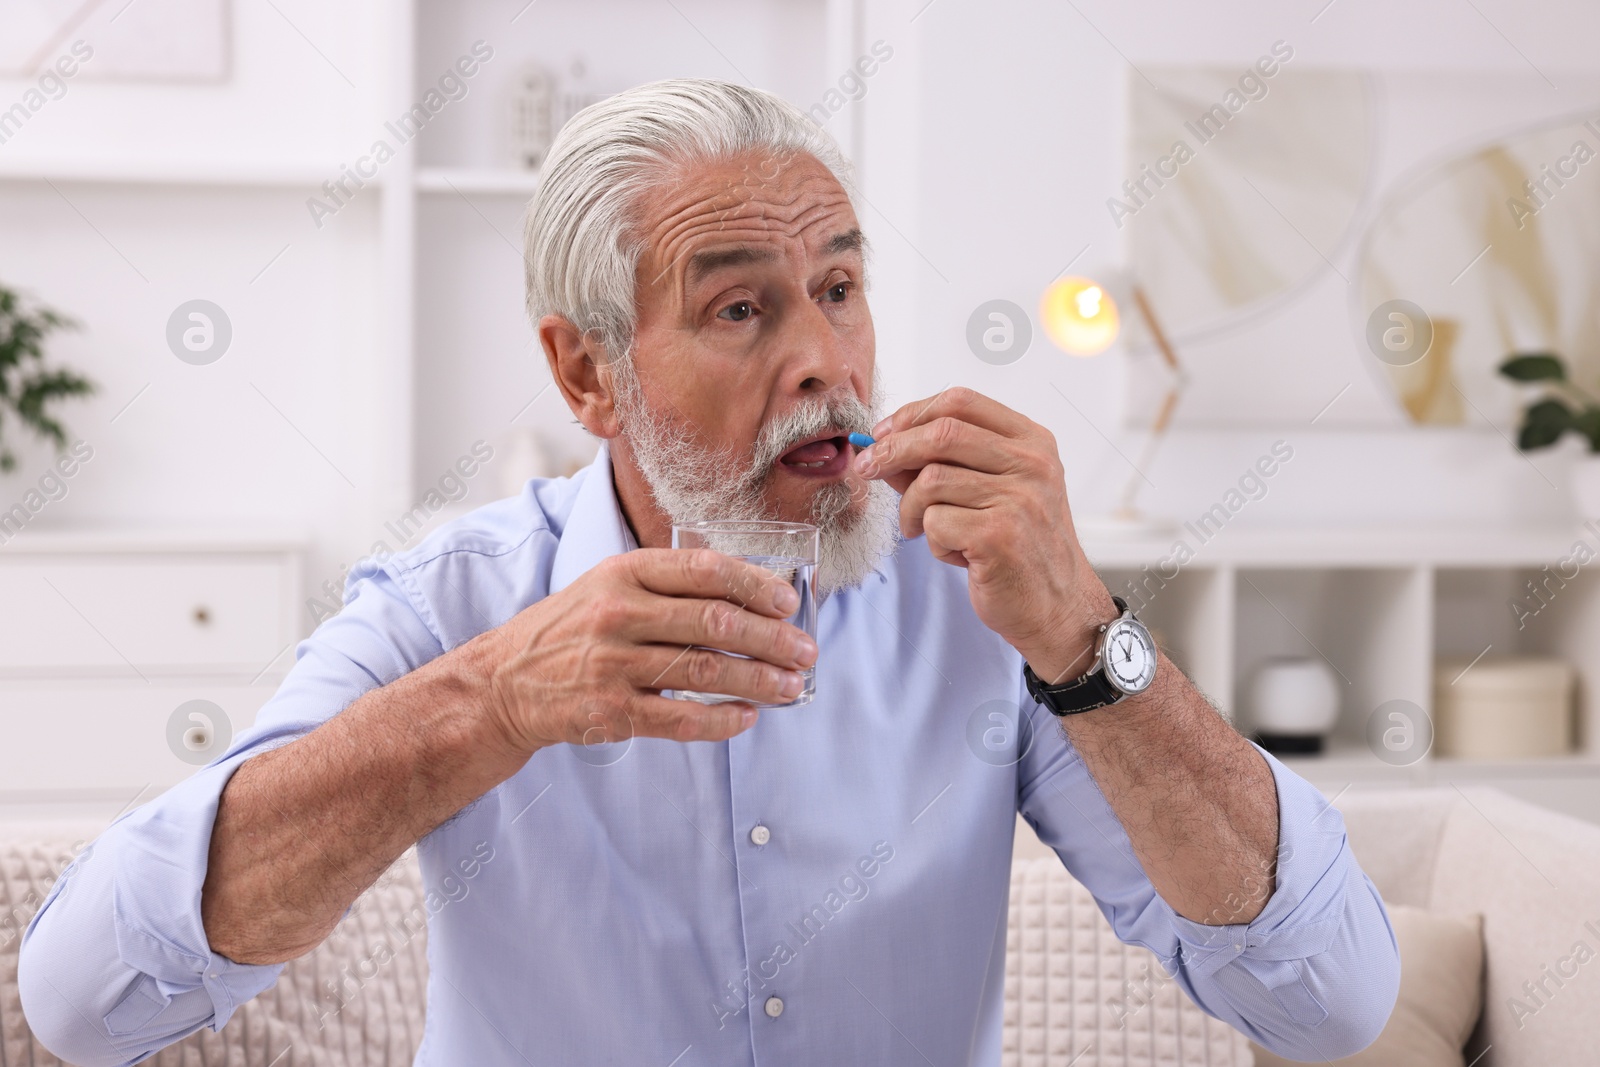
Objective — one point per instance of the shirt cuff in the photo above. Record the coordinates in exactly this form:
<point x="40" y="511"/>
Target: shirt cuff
<point x="160" y="855"/>
<point x="1309" y="881"/>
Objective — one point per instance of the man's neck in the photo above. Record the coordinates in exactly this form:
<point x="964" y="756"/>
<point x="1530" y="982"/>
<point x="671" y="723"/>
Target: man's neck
<point x="651" y="527"/>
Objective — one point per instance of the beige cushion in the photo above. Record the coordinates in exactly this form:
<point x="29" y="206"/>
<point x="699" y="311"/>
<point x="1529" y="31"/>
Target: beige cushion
<point x="1075" y="994"/>
<point x="355" y="1001"/>
<point x="1441" y="993"/>
<point x="1395" y="837"/>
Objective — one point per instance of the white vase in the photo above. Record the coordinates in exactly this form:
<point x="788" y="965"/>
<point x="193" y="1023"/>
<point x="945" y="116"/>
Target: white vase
<point x="1583" y="484"/>
<point x="1294" y="702"/>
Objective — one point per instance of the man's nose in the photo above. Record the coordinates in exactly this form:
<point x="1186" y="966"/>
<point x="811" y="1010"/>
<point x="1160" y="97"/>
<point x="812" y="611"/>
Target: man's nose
<point x="818" y="359"/>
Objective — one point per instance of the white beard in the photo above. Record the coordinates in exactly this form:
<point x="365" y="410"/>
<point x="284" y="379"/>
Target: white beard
<point x="690" y="481"/>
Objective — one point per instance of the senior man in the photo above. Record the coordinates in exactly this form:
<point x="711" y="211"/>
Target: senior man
<point x="639" y="878"/>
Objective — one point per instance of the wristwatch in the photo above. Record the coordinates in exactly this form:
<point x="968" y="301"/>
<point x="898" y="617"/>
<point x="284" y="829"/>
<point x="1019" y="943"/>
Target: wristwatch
<point x="1124" y="665"/>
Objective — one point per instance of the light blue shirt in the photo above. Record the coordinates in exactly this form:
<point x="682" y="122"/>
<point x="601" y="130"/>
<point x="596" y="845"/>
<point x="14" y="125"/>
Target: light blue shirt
<point x="618" y="904"/>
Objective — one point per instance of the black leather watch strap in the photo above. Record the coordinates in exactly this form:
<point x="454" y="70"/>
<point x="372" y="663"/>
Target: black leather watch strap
<point x="1083" y="693"/>
<point x="1086" y="692"/>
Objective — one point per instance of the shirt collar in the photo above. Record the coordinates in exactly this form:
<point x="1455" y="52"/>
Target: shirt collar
<point x="595" y="527"/>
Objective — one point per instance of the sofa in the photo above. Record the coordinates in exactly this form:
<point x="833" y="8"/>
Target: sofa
<point x="1074" y="994"/>
<point x="1532" y="874"/>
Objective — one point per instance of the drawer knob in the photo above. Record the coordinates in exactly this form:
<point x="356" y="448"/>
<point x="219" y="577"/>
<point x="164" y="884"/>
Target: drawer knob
<point x="202" y="615"/>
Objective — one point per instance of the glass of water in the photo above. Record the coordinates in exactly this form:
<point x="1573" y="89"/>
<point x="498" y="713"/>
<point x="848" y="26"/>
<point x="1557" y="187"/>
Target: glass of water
<point x="787" y="549"/>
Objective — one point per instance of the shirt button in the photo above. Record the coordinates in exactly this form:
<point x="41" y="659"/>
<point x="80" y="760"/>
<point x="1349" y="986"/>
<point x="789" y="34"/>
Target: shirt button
<point x="774" y="1007"/>
<point x="760" y="835"/>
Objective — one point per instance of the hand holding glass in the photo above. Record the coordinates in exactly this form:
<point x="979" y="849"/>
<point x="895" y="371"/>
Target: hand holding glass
<point x="787" y="549"/>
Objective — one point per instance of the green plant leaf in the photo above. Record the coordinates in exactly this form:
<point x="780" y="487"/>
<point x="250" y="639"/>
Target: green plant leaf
<point x="28" y="389"/>
<point x="1534" y="367"/>
<point x="1587" y="422"/>
<point x="1543" y="424"/>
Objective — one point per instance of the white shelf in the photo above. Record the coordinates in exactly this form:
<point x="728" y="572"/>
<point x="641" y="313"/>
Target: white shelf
<point x="124" y="538"/>
<point x="1393" y="545"/>
<point x="265" y="175"/>
<point x="504" y="182"/>
<point x="1380" y="604"/>
<point x="1350" y="762"/>
<point x="1574" y="765"/>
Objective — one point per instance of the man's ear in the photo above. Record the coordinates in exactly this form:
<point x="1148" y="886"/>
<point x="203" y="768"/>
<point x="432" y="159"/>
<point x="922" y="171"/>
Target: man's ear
<point x="579" y="367"/>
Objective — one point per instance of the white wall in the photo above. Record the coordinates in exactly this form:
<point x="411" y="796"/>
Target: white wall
<point x="291" y="429"/>
<point x="994" y="141"/>
<point x="990" y="142"/>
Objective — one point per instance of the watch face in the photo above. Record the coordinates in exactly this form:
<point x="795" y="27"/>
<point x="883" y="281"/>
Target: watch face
<point x="1130" y="656"/>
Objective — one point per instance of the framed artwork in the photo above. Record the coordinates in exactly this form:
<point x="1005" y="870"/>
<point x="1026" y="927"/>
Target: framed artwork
<point x="124" y="40"/>
<point x="1271" y="212"/>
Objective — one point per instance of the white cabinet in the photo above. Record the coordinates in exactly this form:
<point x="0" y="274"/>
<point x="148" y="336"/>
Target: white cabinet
<point x="105" y="637"/>
<point x="147" y="612"/>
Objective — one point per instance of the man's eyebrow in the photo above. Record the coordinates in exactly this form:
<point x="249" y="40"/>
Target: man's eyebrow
<point x="849" y="241"/>
<point x="704" y="263"/>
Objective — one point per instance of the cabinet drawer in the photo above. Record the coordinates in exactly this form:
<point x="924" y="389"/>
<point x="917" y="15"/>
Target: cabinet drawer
<point x="114" y="738"/>
<point x="84" y="615"/>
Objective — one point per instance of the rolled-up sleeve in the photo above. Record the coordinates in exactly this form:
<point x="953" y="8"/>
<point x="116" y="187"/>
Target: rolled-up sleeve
<point x="116" y="963"/>
<point x="1312" y="977"/>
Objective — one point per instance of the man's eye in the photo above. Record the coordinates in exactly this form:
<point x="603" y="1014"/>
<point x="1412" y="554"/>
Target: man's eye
<point x="738" y="312"/>
<point x="838" y="293"/>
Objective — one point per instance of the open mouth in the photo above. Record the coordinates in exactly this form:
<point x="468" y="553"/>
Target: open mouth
<point x="818" y="457"/>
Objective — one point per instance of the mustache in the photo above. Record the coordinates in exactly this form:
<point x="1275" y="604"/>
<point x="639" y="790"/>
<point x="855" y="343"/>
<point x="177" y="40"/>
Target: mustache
<point x="844" y="412"/>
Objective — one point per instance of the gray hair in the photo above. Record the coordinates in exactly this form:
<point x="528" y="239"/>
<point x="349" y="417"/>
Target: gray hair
<point x="581" y="251"/>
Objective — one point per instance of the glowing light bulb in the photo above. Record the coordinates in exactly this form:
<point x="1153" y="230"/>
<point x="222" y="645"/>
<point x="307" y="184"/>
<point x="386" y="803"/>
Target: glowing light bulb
<point x="1080" y="316"/>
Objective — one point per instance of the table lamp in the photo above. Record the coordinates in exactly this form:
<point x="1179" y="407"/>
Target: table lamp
<point x="1081" y="318"/>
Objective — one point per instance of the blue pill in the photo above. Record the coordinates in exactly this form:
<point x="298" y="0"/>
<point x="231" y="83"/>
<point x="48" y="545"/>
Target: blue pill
<point x="860" y="440"/>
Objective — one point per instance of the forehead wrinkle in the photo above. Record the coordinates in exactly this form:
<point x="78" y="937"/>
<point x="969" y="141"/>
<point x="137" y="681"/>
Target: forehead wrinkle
<point x="774" y="194"/>
<point x="772" y="200"/>
<point x="746" y="228"/>
<point x="783" y="246"/>
<point x="723" y="211"/>
<point x="743" y="231"/>
<point x="690" y="222"/>
<point x="677" y="279"/>
<point x="681" y="224"/>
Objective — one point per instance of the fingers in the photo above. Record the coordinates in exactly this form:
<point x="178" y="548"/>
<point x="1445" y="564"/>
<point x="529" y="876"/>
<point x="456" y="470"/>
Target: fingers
<point x="720" y="625"/>
<point x="945" y="439"/>
<point x="652" y="715"/>
<point x="685" y="720"/>
<point x="962" y="403"/>
<point x="703" y="670"/>
<point x="708" y="610"/>
<point x="953" y="532"/>
<point x="705" y="574"/>
<point x="940" y="483"/>
<point x="636" y="629"/>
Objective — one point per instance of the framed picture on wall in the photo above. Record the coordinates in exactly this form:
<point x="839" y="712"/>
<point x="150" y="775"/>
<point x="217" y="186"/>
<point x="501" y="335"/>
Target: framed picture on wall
<point x="118" y="40"/>
<point x="1271" y="214"/>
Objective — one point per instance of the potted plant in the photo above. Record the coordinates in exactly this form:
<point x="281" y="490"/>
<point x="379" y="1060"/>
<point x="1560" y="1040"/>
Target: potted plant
<point x="28" y="389"/>
<point x="1562" y="407"/>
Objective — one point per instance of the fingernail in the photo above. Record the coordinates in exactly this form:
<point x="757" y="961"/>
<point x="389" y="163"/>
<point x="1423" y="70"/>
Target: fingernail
<point x="883" y="424"/>
<point x="792" y="684"/>
<point x="748" y="718"/>
<point x="786" y="598"/>
<point x="867" y="467"/>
